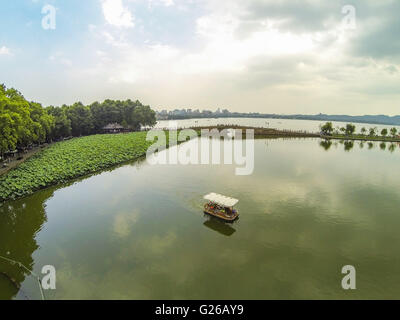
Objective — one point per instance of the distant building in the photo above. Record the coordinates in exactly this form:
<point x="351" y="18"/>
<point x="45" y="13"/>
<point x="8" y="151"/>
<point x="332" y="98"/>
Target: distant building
<point x="114" y="128"/>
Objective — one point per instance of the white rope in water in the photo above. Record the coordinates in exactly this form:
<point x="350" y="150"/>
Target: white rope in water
<point x="31" y="272"/>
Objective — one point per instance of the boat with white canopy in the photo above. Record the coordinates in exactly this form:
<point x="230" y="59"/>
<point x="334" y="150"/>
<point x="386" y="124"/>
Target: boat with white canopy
<point x="221" y="207"/>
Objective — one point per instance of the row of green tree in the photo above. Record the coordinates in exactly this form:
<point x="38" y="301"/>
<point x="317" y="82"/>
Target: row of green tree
<point x="350" y="129"/>
<point x="23" y="123"/>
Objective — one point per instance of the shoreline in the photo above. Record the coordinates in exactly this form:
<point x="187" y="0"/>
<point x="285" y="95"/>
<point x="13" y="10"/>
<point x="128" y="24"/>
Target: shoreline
<point x="58" y="163"/>
<point x="366" y="139"/>
<point x="14" y="162"/>
<point x="274" y="133"/>
<point x="259" y="132"/>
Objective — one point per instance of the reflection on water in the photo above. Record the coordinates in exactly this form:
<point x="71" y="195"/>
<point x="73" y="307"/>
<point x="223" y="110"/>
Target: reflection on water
<point x="348" y="145"/>
<point x="219" y="226"/>
<point x="326" y="144"/>
<point x="138" y="231"/>
<point x="20" y="221"/>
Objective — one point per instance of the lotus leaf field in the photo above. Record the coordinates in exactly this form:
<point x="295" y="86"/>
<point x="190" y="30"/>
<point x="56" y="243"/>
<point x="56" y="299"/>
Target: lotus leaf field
<point x="70" y="159"/>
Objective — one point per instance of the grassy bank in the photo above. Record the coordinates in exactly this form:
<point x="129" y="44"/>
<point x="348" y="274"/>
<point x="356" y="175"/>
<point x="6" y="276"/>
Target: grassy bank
<point x="67" y="160"/>
<point x="16" y="161"/>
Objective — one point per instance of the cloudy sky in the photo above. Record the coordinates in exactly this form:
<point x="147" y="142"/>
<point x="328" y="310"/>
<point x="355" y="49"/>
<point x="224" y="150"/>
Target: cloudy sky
<point x="271" y="56"/>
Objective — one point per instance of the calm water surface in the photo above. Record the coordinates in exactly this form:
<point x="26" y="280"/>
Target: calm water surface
<point x="290" y="124"/>
<point x="138" y="231"/>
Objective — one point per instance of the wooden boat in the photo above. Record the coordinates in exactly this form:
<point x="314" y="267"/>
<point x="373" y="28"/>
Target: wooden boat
<point x="221" y="207"/>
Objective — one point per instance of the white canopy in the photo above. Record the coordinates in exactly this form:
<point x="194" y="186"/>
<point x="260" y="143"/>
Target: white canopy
<point x="221" y="200"/>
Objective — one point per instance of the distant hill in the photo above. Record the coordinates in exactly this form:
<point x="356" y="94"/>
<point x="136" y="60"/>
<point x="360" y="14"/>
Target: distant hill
<point x="371" y="119"/>
<point x="189" y="114"/>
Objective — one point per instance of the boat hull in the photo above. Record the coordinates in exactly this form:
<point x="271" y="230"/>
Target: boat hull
<point x="222" y="216"/>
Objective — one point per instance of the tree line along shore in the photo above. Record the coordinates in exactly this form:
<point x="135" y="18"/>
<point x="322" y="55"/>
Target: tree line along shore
<point x="27" y="124"/>
<point x="348" y="132"/>
<point x="327" y="131"/>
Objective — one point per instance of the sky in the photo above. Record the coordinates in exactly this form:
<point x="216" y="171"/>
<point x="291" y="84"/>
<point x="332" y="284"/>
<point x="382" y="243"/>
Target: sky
<point x="268" y="56"/>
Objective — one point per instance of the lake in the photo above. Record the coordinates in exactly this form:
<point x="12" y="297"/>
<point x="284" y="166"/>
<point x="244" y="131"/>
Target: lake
<point x="289" y="124"/>
<point x="138" y="231"/>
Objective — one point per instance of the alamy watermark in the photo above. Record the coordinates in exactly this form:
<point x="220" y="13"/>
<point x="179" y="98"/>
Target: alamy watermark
<point x="49" y="21"/>
<point x="228" y="146"/>
<point x="47" y="282"/>
<point x="349" y="21"/>
<point x="349" y="280"/>
<point x="49" y="279"/>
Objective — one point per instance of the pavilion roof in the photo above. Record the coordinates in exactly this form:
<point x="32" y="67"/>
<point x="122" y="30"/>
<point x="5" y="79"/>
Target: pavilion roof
<point x="221" y="200"/>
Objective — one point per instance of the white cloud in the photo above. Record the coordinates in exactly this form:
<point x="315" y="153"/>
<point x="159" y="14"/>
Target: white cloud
<point x="166" y="3"/>
<point x="5" y="51"/>
<point x="116" y="14"/>
<point x="59" y="58"/>
<point x="257" y="55"/>
<point x="224" y="50"/>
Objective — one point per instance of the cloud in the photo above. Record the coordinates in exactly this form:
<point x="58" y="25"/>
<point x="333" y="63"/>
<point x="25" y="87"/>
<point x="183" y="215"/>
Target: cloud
<point x="294" y="15"/>
<point x="378" y="34"/>
<point x="124" y="222"/>
<point x="59" y="58"/>
<point x="5" y="51"/>
<point x="284" y="56"/>
<point x="166" y="3"/>
<point x="297" y="55"/>
<point x="116" y="14"/>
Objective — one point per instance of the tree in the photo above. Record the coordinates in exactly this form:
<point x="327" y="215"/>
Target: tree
<point x="384" y="132"/>
<point x="43" y="123"/>
<point x="23" y="123"/>
<point x="109" y="111"/>
<point x="343" y="130"/>
<point x="327" y="128"/>
<point x="62" y="125"/>
<point x="8" y="134"/>
<point x="350" y="129"/>
<point x="81" y="119"/>
<point x="142" y="116"/>
<point x="16" y="124"/>
<point x="393" y="132"/>
<point x="363" y="130"/>
<point x="124" y="124"/>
